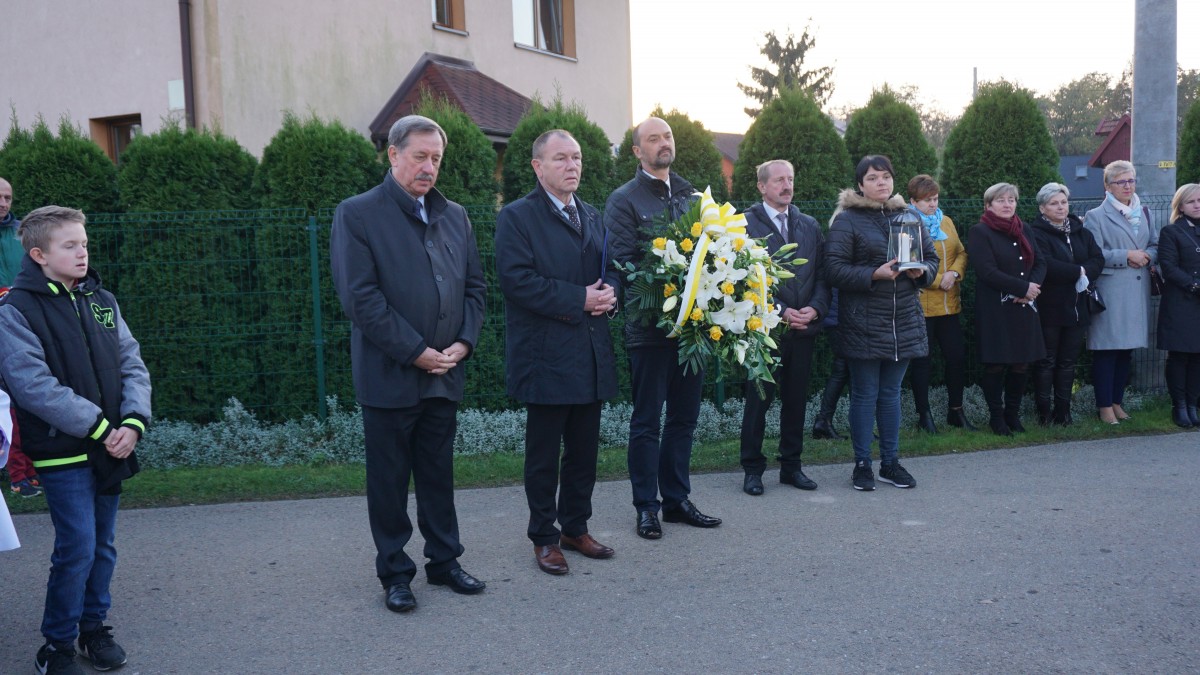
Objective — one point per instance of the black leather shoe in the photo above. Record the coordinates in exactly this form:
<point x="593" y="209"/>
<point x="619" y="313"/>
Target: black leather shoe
<point x="823" y="428"/>
<point x="956" y="418"/>
<point x="399" y="598"/>
<point x="798" y="479"/>
<point x="647" y="525"/>
<point x="687" y="513"/>
<point x="925" y="423"/>
<point x="458" y="581"/>
<point x="753" y="484"/>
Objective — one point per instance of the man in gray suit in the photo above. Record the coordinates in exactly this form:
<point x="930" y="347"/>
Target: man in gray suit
<point x="407" y="273"/>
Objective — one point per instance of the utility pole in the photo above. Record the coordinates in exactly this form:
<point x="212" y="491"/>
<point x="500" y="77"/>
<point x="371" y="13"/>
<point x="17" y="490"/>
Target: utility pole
<point x="1155" y="100"/>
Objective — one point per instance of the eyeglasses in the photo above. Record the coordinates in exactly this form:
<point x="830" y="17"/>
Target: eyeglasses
<point x="1128" y="182"/>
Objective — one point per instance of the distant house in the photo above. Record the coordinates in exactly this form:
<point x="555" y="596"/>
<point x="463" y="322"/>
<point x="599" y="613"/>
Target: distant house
<point x="727" y="145"/>
<point x="1118" y="135"/>
<point x="238" y="65"/>
<point x="1081" y="178"/>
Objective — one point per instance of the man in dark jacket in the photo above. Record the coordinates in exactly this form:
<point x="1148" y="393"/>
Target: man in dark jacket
<point x="407" y="273"/>
<point x="659" y="457"/>
<point x="803" y="301"/>
<point x="559" y="357"/>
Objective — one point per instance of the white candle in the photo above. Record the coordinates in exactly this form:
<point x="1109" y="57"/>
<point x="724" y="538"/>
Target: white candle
<point x="904" y="243"/>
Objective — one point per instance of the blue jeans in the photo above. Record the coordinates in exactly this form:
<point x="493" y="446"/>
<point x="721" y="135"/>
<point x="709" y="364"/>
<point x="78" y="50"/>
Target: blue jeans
<point x="875" y="399"/>
<point x="84" y="557"/>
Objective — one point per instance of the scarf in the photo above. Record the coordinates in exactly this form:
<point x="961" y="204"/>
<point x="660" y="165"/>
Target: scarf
<point x="1014" y="228"/>
<point x="933" y="223"/>
<point x="1132" y="213"/>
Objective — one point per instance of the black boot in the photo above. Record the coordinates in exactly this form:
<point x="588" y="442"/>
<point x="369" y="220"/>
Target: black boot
<point x="1043" y="382"/>
<point x="993" y="387"/>
<point x="1192" y="415"/>
<point x="1014" y="390"/>
<point x="956" y="418"/>
<point x="823" y="428"/>
<point x="925" y="422"/>
<point x="1180" y="416"/>
<point x="1064" y="382"/>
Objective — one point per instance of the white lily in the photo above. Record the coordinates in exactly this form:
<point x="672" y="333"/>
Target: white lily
<point x="732" y="316"/>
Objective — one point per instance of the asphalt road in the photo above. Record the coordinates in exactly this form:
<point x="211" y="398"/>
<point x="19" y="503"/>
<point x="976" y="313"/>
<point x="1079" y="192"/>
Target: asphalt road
<point x="1074" y="558"/>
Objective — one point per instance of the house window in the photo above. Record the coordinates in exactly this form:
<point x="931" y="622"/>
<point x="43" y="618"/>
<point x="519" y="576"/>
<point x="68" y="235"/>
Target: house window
<point x="449" y="14"/>
<point x="545" y="25"/>
<point x="1081" y="171"/>
<point x="113" y="134"/>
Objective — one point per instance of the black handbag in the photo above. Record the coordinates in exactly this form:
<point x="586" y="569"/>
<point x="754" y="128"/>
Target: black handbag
<point x="1095" y="303"/>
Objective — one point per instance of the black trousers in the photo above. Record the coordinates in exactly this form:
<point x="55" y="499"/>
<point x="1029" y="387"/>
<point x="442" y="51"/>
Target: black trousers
<point x="947" y="333"/>
<point x="576" y="428"/>
<point x="660" y="452"/>
<point x="791" y="377"/>
<point x="416" y="442"/>
<point x="1183" y="377"/>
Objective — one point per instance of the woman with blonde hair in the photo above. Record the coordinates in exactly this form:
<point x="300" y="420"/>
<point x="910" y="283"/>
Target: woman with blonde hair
<point x="1127" y="238"/>
<point x="1179" y="312"/>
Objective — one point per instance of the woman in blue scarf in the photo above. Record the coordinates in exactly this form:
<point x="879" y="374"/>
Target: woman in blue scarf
<point x="942" y="304"/>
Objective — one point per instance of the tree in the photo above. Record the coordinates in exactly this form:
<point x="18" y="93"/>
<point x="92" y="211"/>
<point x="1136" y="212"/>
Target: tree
<point x="1075" y="109"/>
<point x="67" y="169"/>
<point x="313" y="164"/>
<point x="888" y="126"/>
<point x="1188" y="170"/>
<point x="468" y="171"/>
<point x="597" y="150"/>
<point x="1002" y="137"/>
<point x="788" y="59"/>
<point x="696" y="156"/>
<point x="190" y="289"/>
<point x="792" y="127"/>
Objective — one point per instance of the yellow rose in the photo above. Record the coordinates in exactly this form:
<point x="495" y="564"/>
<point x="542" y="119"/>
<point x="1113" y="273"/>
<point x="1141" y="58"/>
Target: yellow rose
<point x="697" y="229"/>
<point x="660" y="243"/>
<point x="697" y="314"/>
<point x="715" y="333"/>
<point x="754" y="323"/>
<point x="669" y="290"/>
<point x="750" y="296"/>
<point x="770" y="308"/>
<point x="738" y="243"/>
<point x="686" y="246"/>
<point x="727" y="287"/>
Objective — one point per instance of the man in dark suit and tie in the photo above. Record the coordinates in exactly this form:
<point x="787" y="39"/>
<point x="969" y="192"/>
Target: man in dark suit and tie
<point x="407" y="272"/>
<point x="803" y="301"/>
<point x="559" y="356"/>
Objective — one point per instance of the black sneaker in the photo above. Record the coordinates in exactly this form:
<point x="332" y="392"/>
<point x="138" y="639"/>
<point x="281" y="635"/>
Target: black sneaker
<point x="896" y="475"/>
<point x="99" y="647"/>
<point x="57" y="658"/>
<point x="863" y="478"/>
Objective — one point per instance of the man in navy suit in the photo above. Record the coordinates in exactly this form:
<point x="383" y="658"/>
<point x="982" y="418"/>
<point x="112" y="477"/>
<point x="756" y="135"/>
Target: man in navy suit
<point x="803" y="301"/>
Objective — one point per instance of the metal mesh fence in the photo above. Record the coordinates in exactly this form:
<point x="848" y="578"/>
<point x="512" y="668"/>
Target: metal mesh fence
<point x="241" y="304"/>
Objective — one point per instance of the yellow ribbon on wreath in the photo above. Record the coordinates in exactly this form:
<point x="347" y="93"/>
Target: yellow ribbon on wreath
<point x="692" y="284"/>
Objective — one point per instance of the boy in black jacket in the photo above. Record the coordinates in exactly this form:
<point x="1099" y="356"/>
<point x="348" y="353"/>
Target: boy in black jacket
<point x="82" y="397"/>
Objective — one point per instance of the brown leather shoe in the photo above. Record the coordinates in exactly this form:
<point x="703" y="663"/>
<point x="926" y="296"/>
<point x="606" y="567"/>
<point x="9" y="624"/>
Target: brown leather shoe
<point x="550" y="559"/>
<point x="586" y="545"/>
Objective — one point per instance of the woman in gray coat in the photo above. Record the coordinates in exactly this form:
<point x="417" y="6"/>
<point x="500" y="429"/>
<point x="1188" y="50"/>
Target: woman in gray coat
<point x="1123" y="229"/>
<point x="1179" y="313"/>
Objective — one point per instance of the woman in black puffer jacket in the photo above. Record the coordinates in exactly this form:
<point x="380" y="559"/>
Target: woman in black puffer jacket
<point x="1073" y="262"/>
<point x="880" y="322"/>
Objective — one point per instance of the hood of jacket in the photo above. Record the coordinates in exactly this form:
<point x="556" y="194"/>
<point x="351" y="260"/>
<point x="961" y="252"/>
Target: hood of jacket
<point x="853" y="199"/>
<point x="31" y="278"/>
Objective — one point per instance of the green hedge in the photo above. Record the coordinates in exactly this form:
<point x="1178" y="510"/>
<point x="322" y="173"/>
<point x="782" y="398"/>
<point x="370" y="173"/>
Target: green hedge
<point x="67" y="169"/>
<point x="889" y="126"/>
<point x="1188" y="170"/>
<point x="794" y="128"/>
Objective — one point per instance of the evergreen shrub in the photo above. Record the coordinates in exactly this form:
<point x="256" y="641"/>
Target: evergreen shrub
<point x="67" y="169"/>
<point x="1188" y="170"/>
<point x="794" y="128"/>
<point x="889" y="126"/>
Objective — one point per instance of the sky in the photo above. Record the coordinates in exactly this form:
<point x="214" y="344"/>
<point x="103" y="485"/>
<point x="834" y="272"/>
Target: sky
<point x="690" y="54"/>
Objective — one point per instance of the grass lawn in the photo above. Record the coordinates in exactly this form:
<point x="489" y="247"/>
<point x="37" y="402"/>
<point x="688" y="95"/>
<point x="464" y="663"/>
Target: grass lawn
<point x="212" y="485"/>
